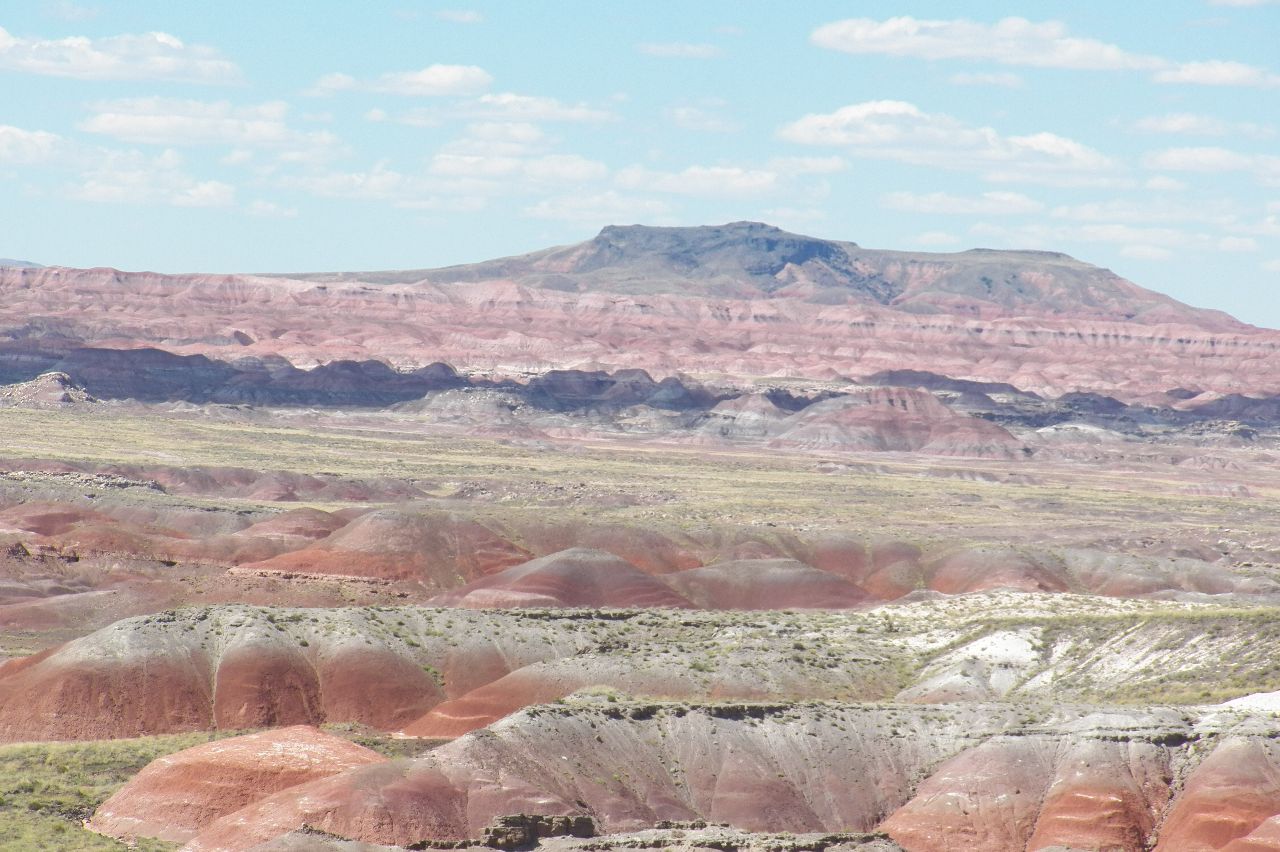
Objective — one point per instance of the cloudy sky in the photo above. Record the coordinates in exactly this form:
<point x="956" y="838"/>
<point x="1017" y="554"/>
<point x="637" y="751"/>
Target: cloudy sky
<point x="238" y="136"/>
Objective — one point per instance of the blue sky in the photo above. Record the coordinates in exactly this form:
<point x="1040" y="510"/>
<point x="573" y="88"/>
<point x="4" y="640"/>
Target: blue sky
<point x="291" y="136"/>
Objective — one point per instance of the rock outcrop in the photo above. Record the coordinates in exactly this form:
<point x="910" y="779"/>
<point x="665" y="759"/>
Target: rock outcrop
<point x="741" y="300"/>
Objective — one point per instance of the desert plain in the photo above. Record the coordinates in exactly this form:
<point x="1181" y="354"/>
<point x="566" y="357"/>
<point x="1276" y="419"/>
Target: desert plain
<point x="693" y="538"/>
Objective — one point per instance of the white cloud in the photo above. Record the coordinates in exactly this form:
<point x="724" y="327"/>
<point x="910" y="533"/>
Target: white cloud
<point x="987" y="204"/>
<point x="1005" y="80"/>
<point x="173" y="121"/>
<point x="1218" y="73"/>
<point x="935" y="238"/>
<point x="376" y="114"/>
<point x="497" y="139"/>
<point x="599" y="209"/>
<point x="1020" y="42"/>
<point x="27" y="146"/>
<point x="502" y="106"/>
<point x="129" y="177"/>
<point x="271" y="210"/>
<point x="705" y="181"/>
<point x="1192" y="124"/>
<point x="1271" y="265"/>
<point x="1141" y="241"/>
<point x="434" y="80"/>
<point x="1238" y="244"/>
<point x="1205" y="159"/>
<point x="554" y="168"/>
<point x="509" y="105"/>
<point x="679" y="50"/>
<point x="147" y="56"/>
<point x="1164" y="183"/>
<point x="808" y="165"/>
<point x="896" y="130"/>
<point x="378" y="183"/>
<point x="564" y="168"/>
<point x="794" y="218"/>
<point x="1243" y="3"/>
<point x="1145" y="252"/>
<point x="460" y="16"/>
<point x="700" y="120"/>
<point x="1212" y="160"/>
<point x="64" y="10"/>
<point x="1143" y="211"/>
<point x="169" y="121"/>
<point x="1010" y="41"/>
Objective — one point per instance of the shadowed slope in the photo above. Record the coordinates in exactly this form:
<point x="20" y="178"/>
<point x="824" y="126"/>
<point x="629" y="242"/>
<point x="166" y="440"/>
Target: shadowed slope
<point x="578" y="577"/>
<point x="766" y="584"/>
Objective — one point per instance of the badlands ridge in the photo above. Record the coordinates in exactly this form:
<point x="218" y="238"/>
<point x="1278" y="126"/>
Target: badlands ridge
<point x="690" y="538"/>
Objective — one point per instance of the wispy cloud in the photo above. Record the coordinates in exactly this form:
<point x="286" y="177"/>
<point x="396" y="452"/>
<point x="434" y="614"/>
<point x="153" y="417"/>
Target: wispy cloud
<point x="146" y="56"/>
<point x="509" y="105"/>
<point x="699" y="119"/>
<point x="1011" y="41"/>
<point x="1193" y="124"/>
<point x="705" y="181"/>
<point x="1218" y="73"/>
<point x="184" y="122"/>
<point x="65" y="10"/>
<point x="600" y="208"/>
<point x="896" y="130"/>
<point x="271" y="210"/>
<point x="460" y="16"/>
<point x="1004" y="80"/>
<point x="432" y="81"/>
<point x="1021" y="42"/>
<point x="987" y="204"/>
<point x="128" y="177"/>
<point x="1212" y="160"/>
<point x="679" y="50"/>
<point x="27" y="146"/>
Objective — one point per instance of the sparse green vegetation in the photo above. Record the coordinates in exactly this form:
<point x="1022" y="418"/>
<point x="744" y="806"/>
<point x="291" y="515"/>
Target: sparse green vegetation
<point x="47" y="790"/>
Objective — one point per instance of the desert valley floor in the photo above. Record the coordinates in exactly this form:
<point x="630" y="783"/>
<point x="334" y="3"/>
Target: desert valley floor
<point x="707" y="538"/>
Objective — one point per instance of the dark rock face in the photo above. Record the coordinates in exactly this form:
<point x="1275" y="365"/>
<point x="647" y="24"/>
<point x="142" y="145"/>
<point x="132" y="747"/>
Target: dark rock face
<point x="568" y="390"/>
<point x="519" y="831"/>
<point x="153" y="375"/>
<point x="750" y="251"/>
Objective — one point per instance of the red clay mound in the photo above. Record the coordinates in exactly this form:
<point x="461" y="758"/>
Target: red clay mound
<point x="399" y="802"/>
<point x="81" y="692"/>
<point x="1264" y="838"/>
<point x="766" y="584"/>
<point x="435" y="548"/>
<point x="1035" y="793"/>
<point x="758" y="768"/>
<point x="1104" y="795"/>
<point x="240" y="667"/>
<point x="895" y="420"/>
<point x="176" y="796"/>
<point x="651" y="551"/>
<point x="310" y="524"/>
<point x="981" y="569"/>
<point x="578" y="577"/>
<point x="1234" y="791"/>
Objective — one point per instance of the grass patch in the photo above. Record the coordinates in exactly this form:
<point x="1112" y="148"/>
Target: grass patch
<point x="48" y="789"/>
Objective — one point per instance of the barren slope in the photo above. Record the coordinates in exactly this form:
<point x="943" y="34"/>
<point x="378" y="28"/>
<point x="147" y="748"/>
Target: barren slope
<point x="742" y="300"/>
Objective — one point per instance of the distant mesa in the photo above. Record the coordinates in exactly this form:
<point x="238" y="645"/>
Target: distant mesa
<point x="737" y="302"/>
